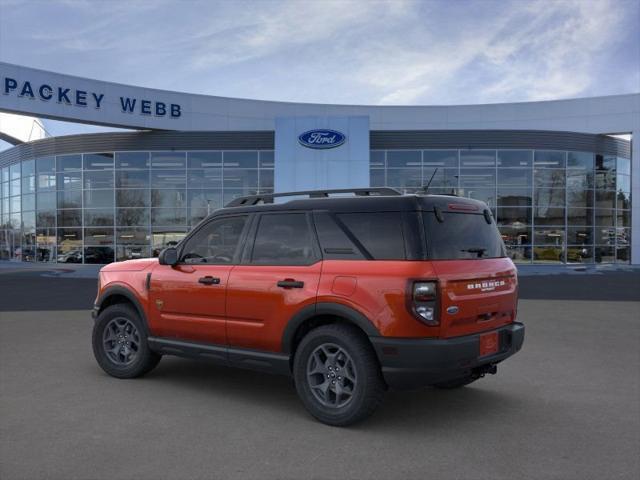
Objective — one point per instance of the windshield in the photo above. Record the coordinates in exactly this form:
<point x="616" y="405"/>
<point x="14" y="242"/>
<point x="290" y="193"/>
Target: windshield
<point x="461" y="236"/>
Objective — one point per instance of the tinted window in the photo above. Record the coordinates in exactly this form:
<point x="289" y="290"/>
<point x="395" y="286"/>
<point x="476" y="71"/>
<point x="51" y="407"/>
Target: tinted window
<point x="334" y="242"/>
<point x="379" y="233"/>
<point x="283" y="239"/>
<point x="215" y="243"/>
<point x="461" y="236"/>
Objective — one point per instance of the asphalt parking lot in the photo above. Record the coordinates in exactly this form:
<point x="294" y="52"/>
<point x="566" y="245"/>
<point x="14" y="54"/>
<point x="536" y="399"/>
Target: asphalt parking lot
<point x="566" y="407"/>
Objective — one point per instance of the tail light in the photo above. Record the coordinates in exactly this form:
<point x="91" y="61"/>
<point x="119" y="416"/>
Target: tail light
<point x="424" y="302"/>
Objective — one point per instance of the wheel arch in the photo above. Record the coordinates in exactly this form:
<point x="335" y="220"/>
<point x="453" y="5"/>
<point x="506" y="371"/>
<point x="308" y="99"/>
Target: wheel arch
<point x="323" y="313"/>
<point x="118" y="295"/>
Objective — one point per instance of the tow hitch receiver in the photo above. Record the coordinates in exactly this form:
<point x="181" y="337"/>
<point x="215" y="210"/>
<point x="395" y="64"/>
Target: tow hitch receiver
<point x="489" y="369"/>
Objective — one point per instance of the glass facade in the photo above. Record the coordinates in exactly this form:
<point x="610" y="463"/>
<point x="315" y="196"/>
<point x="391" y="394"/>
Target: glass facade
<point x="106" y="206"/>
<point x="550" y="206"/>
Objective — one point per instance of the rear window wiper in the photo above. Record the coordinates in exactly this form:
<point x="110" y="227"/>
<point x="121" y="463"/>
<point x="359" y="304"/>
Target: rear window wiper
<point x="479" y="251"/>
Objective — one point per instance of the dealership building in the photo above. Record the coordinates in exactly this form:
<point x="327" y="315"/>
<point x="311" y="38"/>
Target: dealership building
<point x="561" y="176"/>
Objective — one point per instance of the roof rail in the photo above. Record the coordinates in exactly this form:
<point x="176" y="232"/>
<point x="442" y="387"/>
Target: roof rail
<point x="268" y="197"/>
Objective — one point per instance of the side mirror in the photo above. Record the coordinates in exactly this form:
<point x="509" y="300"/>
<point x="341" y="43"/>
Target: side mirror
<point x="168" y="256"/>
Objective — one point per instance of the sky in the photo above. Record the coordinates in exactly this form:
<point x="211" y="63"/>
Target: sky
<point x="392" y="52"/>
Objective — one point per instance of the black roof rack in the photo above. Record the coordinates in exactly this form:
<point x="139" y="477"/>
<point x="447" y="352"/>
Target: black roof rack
<point x="268" y="197"/>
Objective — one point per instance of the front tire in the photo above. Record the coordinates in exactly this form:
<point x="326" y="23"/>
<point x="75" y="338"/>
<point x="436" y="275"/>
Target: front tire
<point x="120" y="343"/>
<point x="337" y="375"/>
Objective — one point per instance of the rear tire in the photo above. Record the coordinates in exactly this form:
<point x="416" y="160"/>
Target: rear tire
<point x="120" y="343"/>
<point x="337" y="375"/>
<point x="457" y="383"/>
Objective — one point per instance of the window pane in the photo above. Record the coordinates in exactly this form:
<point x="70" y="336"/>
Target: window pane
<point x="515" y="158"/>
<point x="168" y="198"/>
<point x="205" y="178"/>
<point x="548" y="236"/>
<point x="69" y="218"/>
<point x="519" y="254"/>
<point x="28" y="184"/>
<point x="624" y="183"/>
<point x="579" y="216"/>
<point x="486" y="195"/>
<point x="69" y="237"/>
<point x="168" y="160"/>
<point x="46" y="200"/>
<point x="548" y="178"/>
<point x="215" y="243"/>
<point x="477" y="177"/>
<point x="440" y="158"/>
<point x="379" y="233"/>
<point x="580" y="236"/>
<point x="46" y="218"/>
<point x="605" y="199"/>
<point x="514" y="216"/>
<point x="514" y="197"/>
<point x="624" y="218"/>
<point x="623" y="166"/>
<point x="579" y="254"/>
<point x="70" y="199"/>
<point x="477" y="158"/>
<point x="28" y="168"/>
<point x="605" y="163"/>
<point x="47" y="181"/>
<point x="605" y="217"/>
<point x="98" y="236"/>
<point x="69" y="162"/>
<point x="204" y="159"/>
<point x="98" y="179"/>
<point x="549" y="197"/>
<point x="605" y="254"/>
<point x="266" y="159"/>
<point x="240" y="159"/>
<point x="584" y="160"/>
<point x="133" y="236"/>
<point x="45" y="165"/>
<point x="283" y="239"/>
<point x="165" y="237"/>
<point x="579" y="198"/>
<point x="549" y="159"/>
<point x="29" y="202"/>
<point x="239" y="178"/>
<point x="516" y="235"/>
<point x="98" y="161"/>
<point x="131" y="252"/>
<point x="69" y="180"/>
<point x="14" y="187"/>
<point x="138" y="160"/>
<point x="98" y="199"/>
<point x="514" y="176"/>
<point x="404" y="177"/>
<point x="376" y="158"/>
<point x="168" y="216"/>
<point x="266" y="179"/>
<point x="132" y="178"/>
<point x="98" y="255"/>
<point x="98" y="217"/>
<point x="404" y="158"/>
<point x="548" y="216"/>
<point x="577" y="178"/>
<point x="377" y="177"/>
<point x="168" y="179"/>
<point x="132" y="198"/>
<point x="133" y="216"/>
<point x="443" y="178"/>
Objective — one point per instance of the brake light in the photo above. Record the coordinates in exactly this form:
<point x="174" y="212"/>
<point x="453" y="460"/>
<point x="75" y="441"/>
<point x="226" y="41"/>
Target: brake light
<point x="424" y="296"/>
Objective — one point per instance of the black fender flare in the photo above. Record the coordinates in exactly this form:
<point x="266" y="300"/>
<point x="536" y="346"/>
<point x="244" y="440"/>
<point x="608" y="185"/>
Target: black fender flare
<point x="325" y="308"/>
<point x="124" y="292"/>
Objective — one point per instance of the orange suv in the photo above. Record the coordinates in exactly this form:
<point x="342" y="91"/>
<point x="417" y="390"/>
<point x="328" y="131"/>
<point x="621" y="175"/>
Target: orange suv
<point x="349" y="295"/>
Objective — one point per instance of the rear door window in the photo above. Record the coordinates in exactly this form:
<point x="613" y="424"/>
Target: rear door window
<point x="283" y="239"/>
<point x="380" y="233"/>
<point x="462" y="236"/>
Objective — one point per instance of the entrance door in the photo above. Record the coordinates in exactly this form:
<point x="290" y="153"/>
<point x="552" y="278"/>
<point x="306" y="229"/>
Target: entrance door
<point x="279" y="275"/>
<point x="188" y="300"/>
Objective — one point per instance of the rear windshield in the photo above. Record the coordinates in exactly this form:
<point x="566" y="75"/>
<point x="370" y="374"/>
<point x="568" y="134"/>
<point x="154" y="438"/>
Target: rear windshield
<point x="461" y="236"/>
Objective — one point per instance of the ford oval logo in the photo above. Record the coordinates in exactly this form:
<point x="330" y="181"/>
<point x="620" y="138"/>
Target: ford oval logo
<point x="322" y="138"/>
<point x="452" y="310"/>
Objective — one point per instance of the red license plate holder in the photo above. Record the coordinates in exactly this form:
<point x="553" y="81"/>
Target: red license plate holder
<point x="489" y="344"/>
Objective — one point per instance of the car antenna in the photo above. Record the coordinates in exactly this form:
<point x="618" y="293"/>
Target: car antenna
<point x="426" y="187"/>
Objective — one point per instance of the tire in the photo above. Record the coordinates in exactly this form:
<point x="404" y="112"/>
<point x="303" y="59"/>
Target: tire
<point x="340" y="354"/>
<point x="456" y="383"/>
<point x="119" y="326"/>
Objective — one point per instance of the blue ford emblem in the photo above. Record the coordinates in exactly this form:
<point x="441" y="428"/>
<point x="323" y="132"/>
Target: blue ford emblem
<point x="322" y="138"/>
<point x="452" y="310"/>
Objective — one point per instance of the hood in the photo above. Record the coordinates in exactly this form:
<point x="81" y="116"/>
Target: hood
<point x="130" y="265"/>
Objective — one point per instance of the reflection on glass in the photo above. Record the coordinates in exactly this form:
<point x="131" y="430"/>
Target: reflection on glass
<point x="97" y="161"/>
<point x="515" y="158"/>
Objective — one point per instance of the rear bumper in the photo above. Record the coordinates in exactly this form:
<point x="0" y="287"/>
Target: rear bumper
<point x="413" y="363"/>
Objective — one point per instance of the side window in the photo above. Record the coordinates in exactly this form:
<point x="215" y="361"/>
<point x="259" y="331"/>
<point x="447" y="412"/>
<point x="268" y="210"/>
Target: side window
<point x="283" y="239"/>
<point x="215" y="243"/>
<point x="379" y="233"/>
<point x="334" y="242"/>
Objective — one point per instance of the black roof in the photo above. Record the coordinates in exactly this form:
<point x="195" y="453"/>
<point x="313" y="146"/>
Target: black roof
<point x="377" y="203"/>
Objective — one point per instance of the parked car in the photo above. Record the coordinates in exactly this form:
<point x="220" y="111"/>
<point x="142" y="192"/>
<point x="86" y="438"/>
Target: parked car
<point x="350" y="296"/>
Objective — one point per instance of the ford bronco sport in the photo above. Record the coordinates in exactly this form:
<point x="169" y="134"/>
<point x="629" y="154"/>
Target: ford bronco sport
<point x="348" y="295"/>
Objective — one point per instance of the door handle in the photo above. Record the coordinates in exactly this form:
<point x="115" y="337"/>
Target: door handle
<point x="208" y="280"/>
<point x="290" y="283"/>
